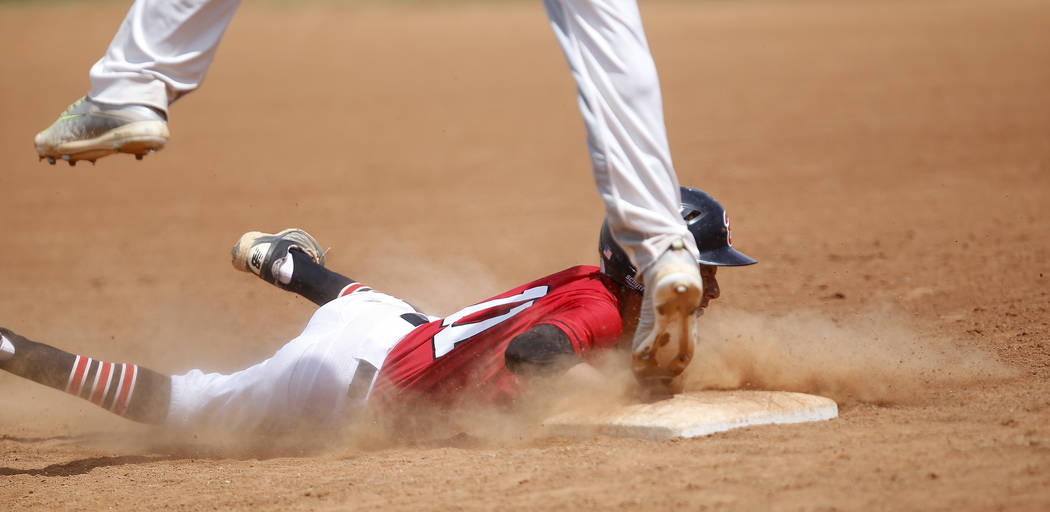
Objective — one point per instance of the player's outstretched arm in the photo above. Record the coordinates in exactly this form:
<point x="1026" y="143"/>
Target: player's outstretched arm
<point x="128" y="390"/>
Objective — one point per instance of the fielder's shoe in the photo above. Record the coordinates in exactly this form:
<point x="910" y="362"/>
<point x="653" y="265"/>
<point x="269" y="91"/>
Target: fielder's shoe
<point x="88" y="131"/>
<point x="667" y="327"/>
<point x="263" y="253"/>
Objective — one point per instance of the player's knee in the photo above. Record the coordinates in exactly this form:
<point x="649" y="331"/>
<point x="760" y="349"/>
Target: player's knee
<point x="641" y="85"/>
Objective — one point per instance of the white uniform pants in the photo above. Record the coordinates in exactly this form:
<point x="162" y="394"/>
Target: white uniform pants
<point x="307" y="382"/>
<point x="164" y="47"/>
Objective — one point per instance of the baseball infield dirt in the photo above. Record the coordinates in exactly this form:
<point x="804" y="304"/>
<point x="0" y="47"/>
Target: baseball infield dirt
<point x="888" y="163"/>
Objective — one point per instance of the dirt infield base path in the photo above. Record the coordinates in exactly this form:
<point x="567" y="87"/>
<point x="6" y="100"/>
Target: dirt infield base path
<point x="887" y="162"/>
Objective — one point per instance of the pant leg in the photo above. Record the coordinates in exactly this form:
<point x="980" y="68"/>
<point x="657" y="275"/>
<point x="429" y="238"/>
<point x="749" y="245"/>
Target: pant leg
<point x="304" y="384"/>
<point x="619" y="97"/>
<point x="161" y="51"/>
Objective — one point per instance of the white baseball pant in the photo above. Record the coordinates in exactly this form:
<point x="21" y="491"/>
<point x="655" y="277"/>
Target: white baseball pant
<point x="309" y="382"/>
<point x="163" y="50"/>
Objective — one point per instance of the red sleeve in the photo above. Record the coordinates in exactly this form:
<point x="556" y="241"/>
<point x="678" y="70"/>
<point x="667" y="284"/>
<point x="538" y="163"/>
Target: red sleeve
<point x="590" y="324"/>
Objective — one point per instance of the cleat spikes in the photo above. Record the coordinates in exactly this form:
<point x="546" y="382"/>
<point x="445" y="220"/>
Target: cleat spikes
<point x="89" y="131"/>
<point x="72" y="163"/>
<point x="51" y="160"/>
<point x="138" y="157"/>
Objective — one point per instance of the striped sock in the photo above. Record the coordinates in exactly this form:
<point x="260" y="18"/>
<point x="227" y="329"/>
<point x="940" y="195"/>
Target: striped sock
<point x="128" y="390"/>
<point x="107" y="385"/>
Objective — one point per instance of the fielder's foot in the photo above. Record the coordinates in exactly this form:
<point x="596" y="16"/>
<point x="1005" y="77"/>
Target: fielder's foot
<point x="665" y="337"/>
<point x="263" y="253"/>
<point x="88" y="131"/>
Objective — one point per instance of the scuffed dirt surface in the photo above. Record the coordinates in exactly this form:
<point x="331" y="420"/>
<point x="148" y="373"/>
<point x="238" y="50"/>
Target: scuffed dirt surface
<point x="887" y="162"/>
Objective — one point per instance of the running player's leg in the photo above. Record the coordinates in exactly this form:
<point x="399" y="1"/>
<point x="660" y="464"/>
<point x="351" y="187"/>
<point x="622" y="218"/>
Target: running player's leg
<point x="131" y="391"/>
<point x="619" y="97"/>
<point x="162" y="51"/>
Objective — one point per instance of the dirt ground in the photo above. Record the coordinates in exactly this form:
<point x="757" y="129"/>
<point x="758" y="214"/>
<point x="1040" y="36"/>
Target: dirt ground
<point x="888" y="163"/>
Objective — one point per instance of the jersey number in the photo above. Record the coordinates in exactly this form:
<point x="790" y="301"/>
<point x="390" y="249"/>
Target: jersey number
<point x="452" y="332"/>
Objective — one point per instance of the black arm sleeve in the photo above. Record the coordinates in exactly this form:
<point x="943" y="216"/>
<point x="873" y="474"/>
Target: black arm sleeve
<point x="542" y="350"/>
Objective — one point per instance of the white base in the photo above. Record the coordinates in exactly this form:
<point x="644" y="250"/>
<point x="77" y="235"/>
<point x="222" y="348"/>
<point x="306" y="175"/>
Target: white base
<point x="695" y="414"/>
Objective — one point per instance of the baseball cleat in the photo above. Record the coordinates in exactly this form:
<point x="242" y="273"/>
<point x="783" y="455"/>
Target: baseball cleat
<point x="667" y="328"/>
<point x="7" y="349"/>
<point x="88" y="130"/>
<point x="263" y="253"/>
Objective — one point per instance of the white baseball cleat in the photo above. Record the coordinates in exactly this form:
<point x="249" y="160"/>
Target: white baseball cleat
<point x="262" y="253"/>
<point x="89" y="130"/>
<point x="667" y="327"/>
<point x="7" y="349"/>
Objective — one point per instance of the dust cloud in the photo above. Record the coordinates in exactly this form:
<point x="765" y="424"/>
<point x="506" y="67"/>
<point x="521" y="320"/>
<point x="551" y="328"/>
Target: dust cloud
<point x="875" y="356"/>
<point x="478" y="423"/>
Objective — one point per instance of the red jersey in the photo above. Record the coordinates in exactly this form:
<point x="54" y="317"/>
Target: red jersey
<point x="465" y="351"/>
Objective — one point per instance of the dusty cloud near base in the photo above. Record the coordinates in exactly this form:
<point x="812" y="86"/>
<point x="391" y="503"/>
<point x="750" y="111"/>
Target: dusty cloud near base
<point x="872" y="356"/>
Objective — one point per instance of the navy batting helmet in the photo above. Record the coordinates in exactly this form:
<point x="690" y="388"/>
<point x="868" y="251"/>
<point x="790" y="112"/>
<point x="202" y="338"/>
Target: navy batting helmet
<point x="706" y="220"/>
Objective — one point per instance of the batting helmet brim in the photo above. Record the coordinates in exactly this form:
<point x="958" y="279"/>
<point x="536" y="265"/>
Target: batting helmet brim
<point x="725" y="257"/>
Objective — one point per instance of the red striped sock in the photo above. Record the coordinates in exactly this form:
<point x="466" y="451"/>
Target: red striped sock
<point x="108" y="385"/>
